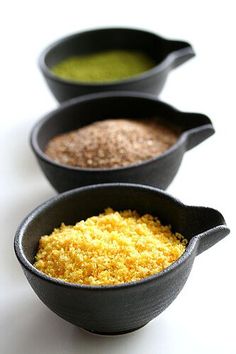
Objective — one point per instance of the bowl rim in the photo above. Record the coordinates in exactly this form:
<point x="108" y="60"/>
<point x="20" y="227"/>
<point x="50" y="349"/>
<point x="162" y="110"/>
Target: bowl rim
<point x="162" y="65"/>
<point x="191" y="246"/>
<point x="181" y="139"/>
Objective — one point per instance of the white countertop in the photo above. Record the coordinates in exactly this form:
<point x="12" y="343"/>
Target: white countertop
<point x="202" y="318"/>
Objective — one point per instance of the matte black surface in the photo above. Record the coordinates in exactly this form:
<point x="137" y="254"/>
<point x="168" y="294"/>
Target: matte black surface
<point x="158" y="172"/>
<point x="167" y="54"/>
<point x="122" y="308"/>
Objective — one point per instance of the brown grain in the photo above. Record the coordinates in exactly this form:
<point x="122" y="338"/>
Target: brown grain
<point x="112" y="143"/>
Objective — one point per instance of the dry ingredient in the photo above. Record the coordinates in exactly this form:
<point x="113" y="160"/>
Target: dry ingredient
<point x="111" y="248"/>
<point x="112" y="143"/>
<point x="104" y="66"/>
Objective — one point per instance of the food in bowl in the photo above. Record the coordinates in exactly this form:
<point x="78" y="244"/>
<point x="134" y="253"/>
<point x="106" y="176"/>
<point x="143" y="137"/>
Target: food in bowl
<point x="112" y="143"/>
<point x="108" y="249"/>
<point x="125" y="307"/>
<point x="103" y="66"/>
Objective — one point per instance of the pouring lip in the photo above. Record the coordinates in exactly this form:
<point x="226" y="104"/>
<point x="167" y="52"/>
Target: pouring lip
<point x="160" y="67"/>
<point x="190" y="249"/>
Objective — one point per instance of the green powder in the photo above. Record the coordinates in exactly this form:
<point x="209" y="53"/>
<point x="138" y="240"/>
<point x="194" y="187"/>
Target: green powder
<point x="104" y="66"/>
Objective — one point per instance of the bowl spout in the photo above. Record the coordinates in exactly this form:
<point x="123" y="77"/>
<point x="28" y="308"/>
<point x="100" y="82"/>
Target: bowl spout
<point x="180" y="52"/>
<point x="198" y="135"/>
<point x="198" y="128"/>
<point x="211" y="227"/>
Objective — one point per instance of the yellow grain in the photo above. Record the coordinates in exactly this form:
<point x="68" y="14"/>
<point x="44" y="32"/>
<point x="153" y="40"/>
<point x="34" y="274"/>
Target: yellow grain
<point x="111" y="248"/>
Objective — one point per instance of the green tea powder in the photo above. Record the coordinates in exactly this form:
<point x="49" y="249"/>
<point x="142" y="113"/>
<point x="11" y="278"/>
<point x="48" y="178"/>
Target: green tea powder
<point x="104" y="66"/>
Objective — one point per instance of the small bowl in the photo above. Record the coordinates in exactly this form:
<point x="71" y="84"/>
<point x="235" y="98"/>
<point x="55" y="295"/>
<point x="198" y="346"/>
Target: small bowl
<point x="167" y="54"/>
<point x="157" y="172"/>
<point x="126" y="307"/>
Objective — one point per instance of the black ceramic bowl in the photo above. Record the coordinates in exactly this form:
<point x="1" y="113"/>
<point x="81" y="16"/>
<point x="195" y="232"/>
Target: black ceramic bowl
<point x="121" y="308"/>
<point x="158" y="172"/>
<point x="167" y="54"/>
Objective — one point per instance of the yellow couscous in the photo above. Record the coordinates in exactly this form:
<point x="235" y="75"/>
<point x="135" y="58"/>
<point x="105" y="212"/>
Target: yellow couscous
<point x="111" y="248"/>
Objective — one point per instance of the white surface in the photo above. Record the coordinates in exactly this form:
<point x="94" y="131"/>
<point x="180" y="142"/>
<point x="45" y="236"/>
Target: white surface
<point x="202" y="319"/>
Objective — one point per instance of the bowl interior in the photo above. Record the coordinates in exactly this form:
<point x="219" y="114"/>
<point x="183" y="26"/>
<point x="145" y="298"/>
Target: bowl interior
<point x="82" y="112"/>
<point x="79" y="204"/>
<point x="106" y="39"/>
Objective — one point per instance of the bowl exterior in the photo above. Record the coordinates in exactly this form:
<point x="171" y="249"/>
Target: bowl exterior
<point x="113" y="311"/>
<point x="167" y="55"/>
<point x="126" y="307"/>
<point x="64" y="91"/>
<point x="106" y="309"/>
<point x="157" y="173"/>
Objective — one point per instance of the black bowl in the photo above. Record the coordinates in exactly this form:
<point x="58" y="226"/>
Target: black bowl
<point x="126" y="307"/>
<point x="167" y="54"/>
<point x="157" y="172"/>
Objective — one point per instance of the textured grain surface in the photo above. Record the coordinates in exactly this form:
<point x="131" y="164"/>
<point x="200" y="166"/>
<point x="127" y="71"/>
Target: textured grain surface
<point x="104" y="66"/>
<point x="112" y="143"/>
<point x="111" y="248"/>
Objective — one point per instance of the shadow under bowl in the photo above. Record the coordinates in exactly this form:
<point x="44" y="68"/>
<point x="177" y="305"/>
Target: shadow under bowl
<point x="125" y="307"/>
<point x="167" y="55"/>
<point x="76" y="113"/>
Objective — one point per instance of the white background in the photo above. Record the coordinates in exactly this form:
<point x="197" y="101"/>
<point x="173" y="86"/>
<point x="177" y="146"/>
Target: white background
<point x="202" y="319"/>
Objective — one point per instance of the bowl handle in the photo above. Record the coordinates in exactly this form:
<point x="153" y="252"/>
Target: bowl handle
<point x="180" y="52"/>
<point x="214" y="221"/>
